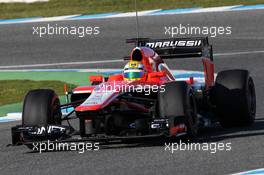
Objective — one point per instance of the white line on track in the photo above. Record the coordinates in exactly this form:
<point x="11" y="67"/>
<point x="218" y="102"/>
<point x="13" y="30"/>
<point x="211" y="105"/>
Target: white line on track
<point x="61" y="64"/>
<point x="111" y="61"/>
<point x="239" y="53"/>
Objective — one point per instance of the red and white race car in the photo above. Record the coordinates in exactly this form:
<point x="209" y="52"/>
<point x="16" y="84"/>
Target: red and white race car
<point x="145" y="100"/>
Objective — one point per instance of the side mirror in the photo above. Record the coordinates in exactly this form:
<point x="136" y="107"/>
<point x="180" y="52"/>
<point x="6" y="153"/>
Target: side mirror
<point x="155" y="76"/>
<point x="96" y="79"/>
<point x="117" y="77"/>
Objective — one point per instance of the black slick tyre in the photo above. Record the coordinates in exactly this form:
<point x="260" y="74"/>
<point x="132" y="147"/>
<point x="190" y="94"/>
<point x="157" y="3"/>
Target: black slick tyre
<point x="177" y="103"/>
<point x="235" y="98"/>
<point x="41" y="108"/>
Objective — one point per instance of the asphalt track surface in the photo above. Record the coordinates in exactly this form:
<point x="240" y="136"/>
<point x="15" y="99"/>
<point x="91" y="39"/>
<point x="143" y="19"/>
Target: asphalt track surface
<point x="19" y="47"/>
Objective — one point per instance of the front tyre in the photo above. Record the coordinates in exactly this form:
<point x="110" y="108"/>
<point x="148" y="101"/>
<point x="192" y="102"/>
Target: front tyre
<point x="41" y="108"/>
<point x="177" y="103"/>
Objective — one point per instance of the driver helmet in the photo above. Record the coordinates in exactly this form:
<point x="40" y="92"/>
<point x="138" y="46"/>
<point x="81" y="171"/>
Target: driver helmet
<point x="134" y="70"/>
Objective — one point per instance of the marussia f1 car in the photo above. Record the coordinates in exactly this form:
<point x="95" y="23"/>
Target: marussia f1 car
<point x="107" y="112"/>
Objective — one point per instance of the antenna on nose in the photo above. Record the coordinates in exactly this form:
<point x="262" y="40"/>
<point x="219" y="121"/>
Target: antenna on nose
<point x="137" y="23"/>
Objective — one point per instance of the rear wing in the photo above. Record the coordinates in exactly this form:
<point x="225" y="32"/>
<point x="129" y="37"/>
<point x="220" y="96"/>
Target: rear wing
<point x="177" y="47"/>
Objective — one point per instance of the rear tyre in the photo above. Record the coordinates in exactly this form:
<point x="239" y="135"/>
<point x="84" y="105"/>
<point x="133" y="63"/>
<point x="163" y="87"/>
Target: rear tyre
<point x="41" y="108"/>
<point x="177" y="103"/>
<point x="235" y="98"/>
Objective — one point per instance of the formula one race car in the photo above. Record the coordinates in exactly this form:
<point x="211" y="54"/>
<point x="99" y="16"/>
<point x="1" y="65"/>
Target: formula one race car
<point x="145" y="100"/>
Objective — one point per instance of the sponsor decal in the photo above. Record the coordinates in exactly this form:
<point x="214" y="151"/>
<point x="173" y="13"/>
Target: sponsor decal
<point x="162" y="44"/>
<point x="49" y="129"/>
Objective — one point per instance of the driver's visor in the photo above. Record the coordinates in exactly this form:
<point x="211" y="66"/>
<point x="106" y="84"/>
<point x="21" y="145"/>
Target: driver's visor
<point x="129" y="75"/>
